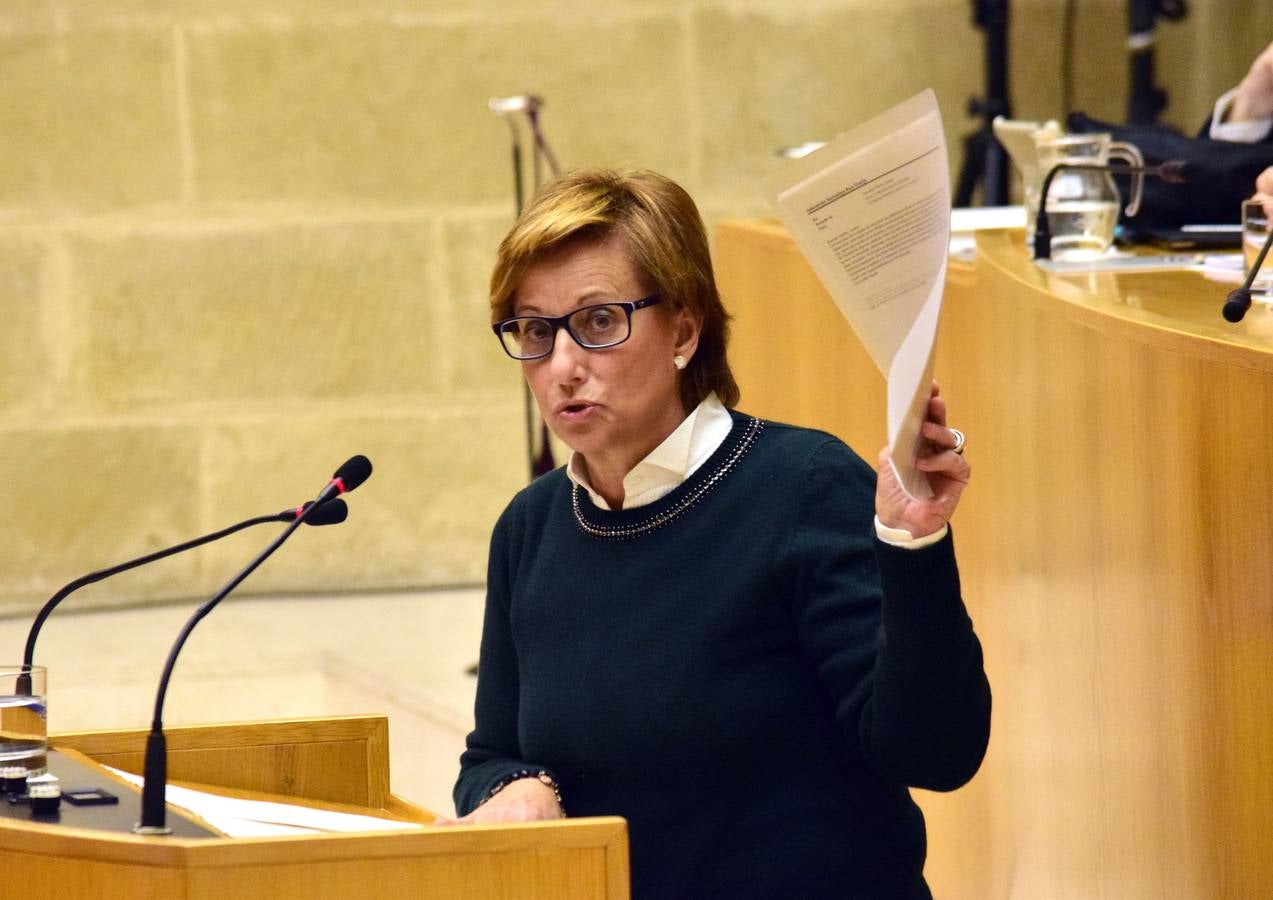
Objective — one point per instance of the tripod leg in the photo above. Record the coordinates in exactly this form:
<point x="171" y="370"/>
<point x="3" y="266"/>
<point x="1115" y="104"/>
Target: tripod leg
<point x="973" y="168"/>
<point x="994" y="191"/>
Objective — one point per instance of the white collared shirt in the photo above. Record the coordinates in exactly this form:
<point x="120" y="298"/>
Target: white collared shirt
<point x="671" y="462"/>
<point x="682" y="453"/>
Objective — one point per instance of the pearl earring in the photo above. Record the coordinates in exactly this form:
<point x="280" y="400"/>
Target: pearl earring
<point x="678" y="361"/>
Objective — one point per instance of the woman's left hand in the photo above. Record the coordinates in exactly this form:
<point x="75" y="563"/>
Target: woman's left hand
<point x="948" y="474"/>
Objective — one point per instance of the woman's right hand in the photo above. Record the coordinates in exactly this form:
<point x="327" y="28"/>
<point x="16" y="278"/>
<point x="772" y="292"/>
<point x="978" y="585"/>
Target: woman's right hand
<point x="523" y="800"/>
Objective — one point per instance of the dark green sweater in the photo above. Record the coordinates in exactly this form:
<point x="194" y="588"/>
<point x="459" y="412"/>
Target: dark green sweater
<point x="753" y="684"/>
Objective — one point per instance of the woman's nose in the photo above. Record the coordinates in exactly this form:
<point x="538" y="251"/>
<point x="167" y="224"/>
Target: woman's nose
<point x="566" y="356"/>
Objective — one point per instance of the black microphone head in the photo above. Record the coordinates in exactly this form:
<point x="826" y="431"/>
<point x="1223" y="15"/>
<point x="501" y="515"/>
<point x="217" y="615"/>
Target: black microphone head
<point x="354" y="472"/>
<point x="1174" y="171"/>
<point x="1236" y="305"/>
<point x="333" y="512"/>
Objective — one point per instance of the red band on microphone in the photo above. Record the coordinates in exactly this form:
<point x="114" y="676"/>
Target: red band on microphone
<point x="300" y="511"/>
<point x="340" y="485"/>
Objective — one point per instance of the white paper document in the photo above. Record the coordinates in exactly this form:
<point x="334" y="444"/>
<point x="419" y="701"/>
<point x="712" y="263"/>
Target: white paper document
<point x="234" y="817"/>
<point x="870" y="211"/>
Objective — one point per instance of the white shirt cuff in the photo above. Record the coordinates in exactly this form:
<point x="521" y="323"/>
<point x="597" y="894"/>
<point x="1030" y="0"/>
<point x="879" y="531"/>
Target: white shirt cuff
<point x="1249" y="132"/>
<point x="900" y="537"/>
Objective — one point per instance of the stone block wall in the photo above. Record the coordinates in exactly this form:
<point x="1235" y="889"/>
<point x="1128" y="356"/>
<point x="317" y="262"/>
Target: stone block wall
<point x="240" y="241"/>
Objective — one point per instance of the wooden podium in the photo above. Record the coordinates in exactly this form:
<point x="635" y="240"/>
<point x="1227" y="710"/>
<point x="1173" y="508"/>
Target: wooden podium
<point x="1114" y="551"/>
<point x="339" y="764"/>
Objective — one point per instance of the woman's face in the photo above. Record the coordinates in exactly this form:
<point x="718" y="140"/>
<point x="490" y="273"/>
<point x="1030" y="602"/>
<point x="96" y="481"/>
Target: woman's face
<point x="612" y="406"/>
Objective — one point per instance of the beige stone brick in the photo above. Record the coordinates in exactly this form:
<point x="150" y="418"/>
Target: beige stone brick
<point x="382" y="114"/>
<point x="24" y="357"/>
<point x="469" y="254"/>
<point x="769" y="80"/>
<point x="237" y="12"/>
<point x="89" y="120"/>
<point x="1100" y="61"/>
<point x="266" y="314"/>
<point x="441" y="479"/>
<point x="81" y="499"/>
<point x="28" y="17"/>
<point x="1208" y="53"/>
<point x="1034" y="78"/>
<point x="1190" y="100"/>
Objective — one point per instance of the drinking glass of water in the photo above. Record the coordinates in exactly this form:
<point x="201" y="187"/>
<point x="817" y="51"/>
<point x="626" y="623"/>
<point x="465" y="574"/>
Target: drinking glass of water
<point x="23" y="718"/>
<point x="1255" y="231"/>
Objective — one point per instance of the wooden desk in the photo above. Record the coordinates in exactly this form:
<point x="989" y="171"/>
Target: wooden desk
<point x="1114" y="553"/>
<point x="316" y="762"/>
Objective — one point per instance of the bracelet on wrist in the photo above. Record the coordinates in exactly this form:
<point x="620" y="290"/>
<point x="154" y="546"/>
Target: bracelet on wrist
<point x="542" y="776"/>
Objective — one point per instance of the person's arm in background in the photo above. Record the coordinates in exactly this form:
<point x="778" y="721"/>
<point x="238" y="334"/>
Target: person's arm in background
<point x="1245" y="114"/>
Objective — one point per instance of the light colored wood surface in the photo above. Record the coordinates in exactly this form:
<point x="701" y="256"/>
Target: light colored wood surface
<point x="344" y="760"/>
<point x="1113" y="548"/>
<point x="583" y="858"/>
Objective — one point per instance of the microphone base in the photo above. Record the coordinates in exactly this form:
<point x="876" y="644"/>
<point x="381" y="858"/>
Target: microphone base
<point x="1042" y="248"/>
<point x="154" y="788"/>
<point x="153" y="830"/>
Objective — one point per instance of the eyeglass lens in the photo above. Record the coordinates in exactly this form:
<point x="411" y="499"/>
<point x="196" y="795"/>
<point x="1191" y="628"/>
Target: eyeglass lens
<point x="592" y="327"/>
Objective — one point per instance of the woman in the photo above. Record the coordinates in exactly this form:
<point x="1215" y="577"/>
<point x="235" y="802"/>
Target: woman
<point x="693" y="625"/>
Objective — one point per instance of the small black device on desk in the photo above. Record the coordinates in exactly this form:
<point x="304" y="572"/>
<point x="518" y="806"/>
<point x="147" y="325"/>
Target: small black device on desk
<point x="1187" y="237"/>
<point x="91" y="800"/>
<point x="89" y="797"/>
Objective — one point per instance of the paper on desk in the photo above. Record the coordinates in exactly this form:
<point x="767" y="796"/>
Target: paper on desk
<point x="1224" y="267"/>
<point x="871" y="213"/>
<point x="262" y="818"/>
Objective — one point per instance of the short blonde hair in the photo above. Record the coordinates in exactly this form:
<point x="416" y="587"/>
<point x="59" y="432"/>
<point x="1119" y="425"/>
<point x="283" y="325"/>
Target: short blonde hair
<point x="665" y="240"/>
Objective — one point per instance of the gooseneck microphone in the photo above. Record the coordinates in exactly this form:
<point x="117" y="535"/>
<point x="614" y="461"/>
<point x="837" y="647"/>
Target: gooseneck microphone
<point x="1173" y="171"/>
<point x="330" y="513"/>
<point x="1239" y="300"/>
<point x="153" y="795"/>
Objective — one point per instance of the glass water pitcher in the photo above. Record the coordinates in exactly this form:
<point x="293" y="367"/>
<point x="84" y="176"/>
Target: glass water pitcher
<point x="1082" y="206"/>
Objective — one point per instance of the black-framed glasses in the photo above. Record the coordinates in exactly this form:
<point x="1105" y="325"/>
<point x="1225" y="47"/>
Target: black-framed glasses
<point x="592" y="327"/>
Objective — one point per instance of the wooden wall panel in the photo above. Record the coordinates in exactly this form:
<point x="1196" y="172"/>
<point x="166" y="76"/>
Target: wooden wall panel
<point x="1112" y="547"/>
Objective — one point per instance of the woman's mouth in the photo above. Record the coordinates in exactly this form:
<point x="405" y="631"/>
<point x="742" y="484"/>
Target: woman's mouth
<point x="575" y="411"/>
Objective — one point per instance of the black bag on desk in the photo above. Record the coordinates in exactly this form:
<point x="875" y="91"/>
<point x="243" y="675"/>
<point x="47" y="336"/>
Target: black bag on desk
<point x="1219" y="174"/>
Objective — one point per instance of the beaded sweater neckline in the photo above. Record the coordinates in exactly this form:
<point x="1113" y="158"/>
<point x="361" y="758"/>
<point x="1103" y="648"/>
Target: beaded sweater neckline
<point x="682" y="499"/>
